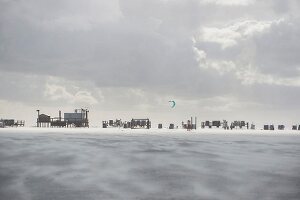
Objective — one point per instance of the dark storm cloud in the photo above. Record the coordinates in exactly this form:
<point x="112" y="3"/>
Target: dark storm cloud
<point x="153" y="50"/>
<point x="280" y="57"/>
<point x="122" y="53"/>
<point x="140" y="49"/>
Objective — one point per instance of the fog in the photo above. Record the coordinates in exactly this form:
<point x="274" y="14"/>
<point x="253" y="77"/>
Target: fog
<point x="70" y="164"/>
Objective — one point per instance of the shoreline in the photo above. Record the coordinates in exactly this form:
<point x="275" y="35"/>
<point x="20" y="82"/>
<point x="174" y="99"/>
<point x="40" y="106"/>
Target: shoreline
<point x="152" y="131"/>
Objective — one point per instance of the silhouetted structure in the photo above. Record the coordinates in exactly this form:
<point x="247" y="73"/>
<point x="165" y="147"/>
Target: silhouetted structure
<point x="190" y="124"/>
<point x="281" y="127"/>
<point x="294" y="127"/>
<point x="77" y="119"/>
<point x="171" y="126"/>
<point x="216" y="123"/>
<point x="43" y="120"/>
<point x="140" y="123"/>
<point x="127" y="124"/>
<point x="239" y="124"/>
<point x="269" y="127"/>
<point x="206" y="124"/>
<point x="266" y="127"/>
<point x="11" y="123"/>
<point x="114" y="124"/>
<point x="225" y="124"/>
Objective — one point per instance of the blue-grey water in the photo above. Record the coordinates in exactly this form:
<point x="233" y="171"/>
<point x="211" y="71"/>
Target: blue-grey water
<point x="83" y="166"/>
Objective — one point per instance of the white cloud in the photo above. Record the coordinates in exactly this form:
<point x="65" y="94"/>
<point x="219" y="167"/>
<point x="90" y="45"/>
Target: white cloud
<point x="251" y="75"/>
<point x="248" y="75"/>
<point x="225" y="37"/>
<point x="60" y="90"/>
<point x="231" y="35"/>
<point x="223" y="66"/>
<point x="245" y="37"/>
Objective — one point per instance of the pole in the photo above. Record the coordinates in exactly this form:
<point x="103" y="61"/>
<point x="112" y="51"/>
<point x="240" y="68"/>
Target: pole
<point x="38" y="118"/>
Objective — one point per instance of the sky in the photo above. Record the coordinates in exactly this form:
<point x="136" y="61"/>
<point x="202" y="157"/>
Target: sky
<point x="218" y="59"/>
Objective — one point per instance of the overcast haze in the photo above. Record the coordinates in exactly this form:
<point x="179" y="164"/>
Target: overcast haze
<point x="218" y="59"/>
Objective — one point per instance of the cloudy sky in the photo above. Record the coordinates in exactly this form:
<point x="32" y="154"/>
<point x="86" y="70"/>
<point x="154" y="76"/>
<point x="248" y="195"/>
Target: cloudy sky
<point x="218" y="59"/>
